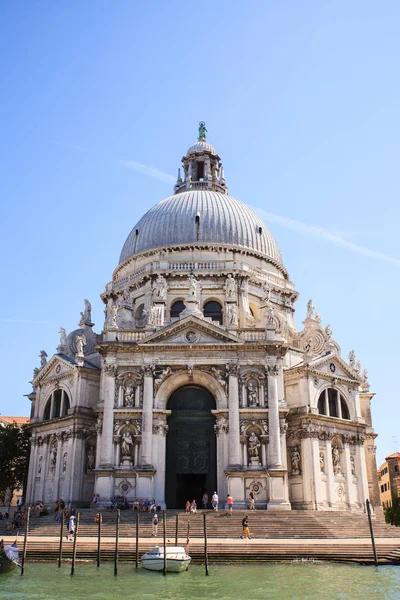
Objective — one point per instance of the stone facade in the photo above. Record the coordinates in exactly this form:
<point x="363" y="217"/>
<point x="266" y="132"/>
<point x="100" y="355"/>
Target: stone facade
<point x="201" y="299"/>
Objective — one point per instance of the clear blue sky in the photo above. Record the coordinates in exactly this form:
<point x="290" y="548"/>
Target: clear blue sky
<point x="301" y="100"/>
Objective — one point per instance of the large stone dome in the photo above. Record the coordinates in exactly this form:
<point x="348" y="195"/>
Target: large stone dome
<point x="201" y="216"/>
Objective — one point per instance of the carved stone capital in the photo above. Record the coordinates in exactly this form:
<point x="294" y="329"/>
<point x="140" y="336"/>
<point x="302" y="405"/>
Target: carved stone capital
<point x="221" y="426"/>
<point x="232" y="369"/>
<point x="272" y="370"/>
<point x="148" y="370"/>
<point x="99" y="426"/>
<point x="160" y="429"/>
<point x="111" y="370"/>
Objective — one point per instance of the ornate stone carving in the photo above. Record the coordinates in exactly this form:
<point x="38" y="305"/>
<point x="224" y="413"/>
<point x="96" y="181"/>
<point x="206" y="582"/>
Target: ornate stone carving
<point x="283" y="427"/>
<point x="266" y="293"/>
<point x="352" y="358"/>
<point x="90" y="458"/>
<point x="111" y="370"/>
<point x="272" y="370"/>
<point x="232" y="369"/>
<point x="160" y="429"/>
<point x="43" y="358"/>
<point x="62" y="347"/>
<point x="372" y="450"/>
<point x="252" y="395"/>
<point x="99" y="426"/>
<point x="53" y="458"/>
<point x="295" y="461"/>
<point x="126" y="445"/>
<point x="253" y="450"/>
<point x="64" y="462"/>
<point x="352" y="465"/>
<point x="129" y="395"/>
<point x="221" y="426"/>
<point x="136" y="424"/>
<point x="86" y="315"/>
<point x="231" y="315"/>
<point x="148" y="370"/>
<point x="219" y="377"/>
<point x="322" y="462"/>
<point x="230" y="287"/>
<point x="337" y="468"/>
<point x="160" y="288"/>
<point x="40" y="465"/>
<point x="160" y="376"/>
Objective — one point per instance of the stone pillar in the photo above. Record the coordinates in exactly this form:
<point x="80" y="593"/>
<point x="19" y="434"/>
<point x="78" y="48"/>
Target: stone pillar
<point x="349" y="476"/>
<point x="235" y="459"/>
<point x="329" y="473"/>
<point x="30" y="494"/>
<point x="361" y="470"/>
<point x="311" y="473"/>
<point x="147" y="417"/>
<point x="275" y="457"/>
<point x="108" y="392"/>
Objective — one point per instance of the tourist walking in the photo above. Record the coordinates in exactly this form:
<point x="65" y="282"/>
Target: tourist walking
<point x="214" y="501"/>
<point x="245" y="527"/>
<point x="155" y="525"/>
<point x="253" y="498"/>
<point x="205" y="500"/>
<point x="229" y="502"/>
<point x="71" y="528"/>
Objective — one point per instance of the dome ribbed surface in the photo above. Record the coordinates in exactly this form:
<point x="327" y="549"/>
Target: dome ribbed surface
<point x="201" y="146"/>
<point x="223" y="220"/>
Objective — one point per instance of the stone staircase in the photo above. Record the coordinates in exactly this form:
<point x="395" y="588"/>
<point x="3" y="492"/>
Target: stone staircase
<point x="292" y="535"/>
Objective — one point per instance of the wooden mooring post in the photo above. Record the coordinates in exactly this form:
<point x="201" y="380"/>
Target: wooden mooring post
<point x="137" y="540"/>
<point x="176" y="528"/>
<point x="99" y="539"/>
<point x="116" y="543"/>
<point x="74" y="546"/>
<point x="205" y="543"/>
<point x="60" y="548"/>
<point x="28" y="514"/>
<point x="367" y="502"/>
<point x="165" y="542"/>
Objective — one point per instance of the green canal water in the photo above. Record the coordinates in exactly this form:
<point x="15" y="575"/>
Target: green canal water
<point x="303" y="581"/>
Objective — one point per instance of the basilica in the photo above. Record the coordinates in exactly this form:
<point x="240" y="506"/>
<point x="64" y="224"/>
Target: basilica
<point x="200" y="380"/>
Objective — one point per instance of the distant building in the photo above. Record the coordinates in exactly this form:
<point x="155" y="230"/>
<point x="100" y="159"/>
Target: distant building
<point x="389" y="479"/>
<point x="19" y="421"/>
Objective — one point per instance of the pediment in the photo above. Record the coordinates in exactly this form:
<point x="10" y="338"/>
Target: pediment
<point x="58" y="366"/>
<point x="334" y="366"/>
<point x="191" y="331"/>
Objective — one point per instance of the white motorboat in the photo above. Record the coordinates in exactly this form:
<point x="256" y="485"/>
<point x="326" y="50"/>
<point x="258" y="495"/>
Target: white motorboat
<point x="177" y="559"/>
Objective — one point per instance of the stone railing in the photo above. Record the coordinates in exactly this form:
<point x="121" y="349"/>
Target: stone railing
<point x="252" y="335"/>
<point x="132" y="336"/>
<point x="196" y="266"/>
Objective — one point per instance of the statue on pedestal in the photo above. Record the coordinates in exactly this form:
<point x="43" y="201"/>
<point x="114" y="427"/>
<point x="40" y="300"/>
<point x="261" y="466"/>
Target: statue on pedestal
<point x="253" y="450"/>
<point x="252" y="395"/>
<point x="129" y="396"/>
<point x="126" y="445"/>
<point x="295" y="461"/>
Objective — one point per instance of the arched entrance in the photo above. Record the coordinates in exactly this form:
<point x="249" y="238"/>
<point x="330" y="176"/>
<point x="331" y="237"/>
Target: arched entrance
<point x="191" y="463"/>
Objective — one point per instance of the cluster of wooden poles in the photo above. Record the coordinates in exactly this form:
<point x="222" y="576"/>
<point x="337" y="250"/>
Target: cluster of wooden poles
<point x="75" y="537"/>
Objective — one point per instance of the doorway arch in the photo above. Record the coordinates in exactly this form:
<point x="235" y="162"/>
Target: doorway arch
<point x="191" y="461"/>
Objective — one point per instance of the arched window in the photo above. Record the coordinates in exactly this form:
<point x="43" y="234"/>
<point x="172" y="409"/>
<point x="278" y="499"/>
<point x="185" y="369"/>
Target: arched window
<point x="177" y="308"/>
<point x="213" y="310"/>
<point x="332" y="404"/>
<point x="57" y="405"/>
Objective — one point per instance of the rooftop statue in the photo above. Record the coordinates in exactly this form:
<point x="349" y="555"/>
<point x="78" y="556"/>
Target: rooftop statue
<point x="202" y="131"/>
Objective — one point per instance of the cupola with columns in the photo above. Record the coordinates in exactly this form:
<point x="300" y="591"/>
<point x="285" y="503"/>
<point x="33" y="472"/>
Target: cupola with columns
<point x="202" y="167"/>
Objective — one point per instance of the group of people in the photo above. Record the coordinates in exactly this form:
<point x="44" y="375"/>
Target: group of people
<point x="120" y="502"/>
<point x="191" y="507"/>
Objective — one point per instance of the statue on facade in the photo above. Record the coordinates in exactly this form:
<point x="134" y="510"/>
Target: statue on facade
<point x="352" y="465"/>
<point x="192" y="284"/>
<point x="336" y="460"/>
<point x="271" y="316"/>
<point x="43" y="358"/>
<point x="328" y="331"/>
<point x="40" y="464"/>
<point x="352" y="358"/>
<point x="230" y="286"/>
<point x="295" y="461"/>
<point x="64" y="462"/>
<point x="80" y="342"/>
<point x="231" y="315"/>
<point x="266" y="292"/>
<point x="202" y="131"/>
<point x="310" y="310"/>
<point x="113" y="316"/>
<point x="126" y="445"/>
<point x="161" y="376"/>
<point x="253" y="450"/>
<point x="63" y="338"/>
<point x="322" y="462"/>
<point x="53" y="460"/>
<point x="357" y="366"/>
<point x="86" y="315"/>
<point x="90" y="458"/>
<point x="160" y="287"/>
<point x="129" y="396"/>
<point x="36" y="371"/>
<point x="252" y="395"/>
<point x="218" y="376"/>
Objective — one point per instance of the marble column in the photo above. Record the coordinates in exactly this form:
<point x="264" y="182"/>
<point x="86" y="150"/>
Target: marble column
<point x="235" y="460"/>
<point x="330" y="474"/>
<point x="349" y="476"/>
<point x="275" y="456"/>
<point x="147" y="417"/>
<point x="361" y="470"/>
<point x="108" y="389"/>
